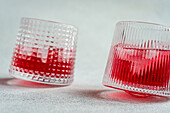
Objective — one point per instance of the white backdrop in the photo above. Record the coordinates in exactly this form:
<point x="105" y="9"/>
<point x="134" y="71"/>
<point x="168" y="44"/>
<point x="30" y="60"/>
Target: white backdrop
<point x="96" y="20"/>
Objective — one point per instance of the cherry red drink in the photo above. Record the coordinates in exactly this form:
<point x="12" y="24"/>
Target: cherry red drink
<point x="45" y="52"/>
<point x="143" y="67"/>
<point x="52" y="62"/>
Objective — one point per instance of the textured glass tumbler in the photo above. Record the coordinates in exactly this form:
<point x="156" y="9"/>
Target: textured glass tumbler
<point x="44" y="52"/>
<point x="139" y="59"/>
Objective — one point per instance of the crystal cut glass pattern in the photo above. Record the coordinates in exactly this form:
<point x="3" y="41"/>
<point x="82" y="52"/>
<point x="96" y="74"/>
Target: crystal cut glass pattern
<point x="139" y="59"/>
<point x="44" y="52"/>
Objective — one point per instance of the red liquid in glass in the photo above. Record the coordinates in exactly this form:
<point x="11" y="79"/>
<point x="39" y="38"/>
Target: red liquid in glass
<point x="143" y="67"/>
<point x="53" y="64"/>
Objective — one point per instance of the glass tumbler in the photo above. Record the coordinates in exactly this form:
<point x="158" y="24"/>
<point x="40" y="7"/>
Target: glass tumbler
<point x="44" y="52"/>
<point x="139" y="59"/>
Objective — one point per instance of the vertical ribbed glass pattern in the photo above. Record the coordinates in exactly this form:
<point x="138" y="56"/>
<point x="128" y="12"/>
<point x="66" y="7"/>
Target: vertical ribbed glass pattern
<point x="44" y="52"/>
<point x="139" y="59"/>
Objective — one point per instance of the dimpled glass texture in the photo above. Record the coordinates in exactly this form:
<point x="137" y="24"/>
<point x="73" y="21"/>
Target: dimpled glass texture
<point x="139" y="59"/>
<point x="44" y="52"/>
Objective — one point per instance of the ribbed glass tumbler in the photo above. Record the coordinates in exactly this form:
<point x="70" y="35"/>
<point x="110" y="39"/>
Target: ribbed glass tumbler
<point x="44" y="52"/>
<point x="139" y="59"/>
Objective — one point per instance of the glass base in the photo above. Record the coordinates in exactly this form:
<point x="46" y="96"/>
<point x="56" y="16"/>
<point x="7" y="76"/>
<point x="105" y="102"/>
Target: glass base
<point x="142" y="95"/>
<point x="138" y="92"/>
<point x="41" y="79"/>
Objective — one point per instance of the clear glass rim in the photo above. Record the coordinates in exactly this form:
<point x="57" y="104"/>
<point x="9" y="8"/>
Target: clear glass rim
<point x="142" y="22"/>
<point x="43" y="20"/>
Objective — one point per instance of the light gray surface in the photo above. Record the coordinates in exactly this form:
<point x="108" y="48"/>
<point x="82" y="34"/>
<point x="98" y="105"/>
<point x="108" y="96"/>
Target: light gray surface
<point x="96" y="21"/>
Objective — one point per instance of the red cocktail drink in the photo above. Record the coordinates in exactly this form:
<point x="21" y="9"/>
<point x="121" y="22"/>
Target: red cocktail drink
<point x="144" y="67"/>
<point x="52" y="62"/>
